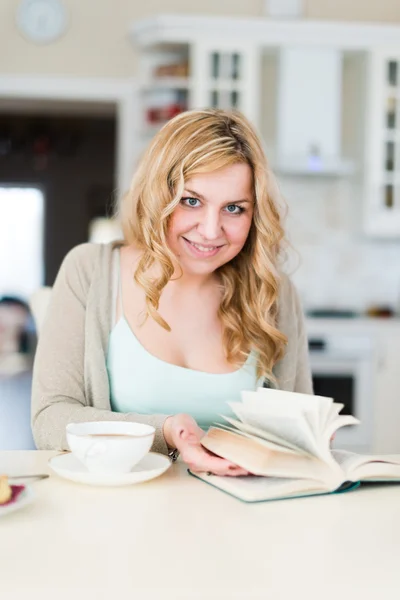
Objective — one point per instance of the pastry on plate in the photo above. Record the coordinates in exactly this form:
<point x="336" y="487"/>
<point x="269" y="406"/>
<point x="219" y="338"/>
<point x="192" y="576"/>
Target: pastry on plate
<point x="5" y="490"/>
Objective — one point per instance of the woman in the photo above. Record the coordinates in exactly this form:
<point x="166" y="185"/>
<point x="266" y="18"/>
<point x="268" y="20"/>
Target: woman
<point x="189" y="310"/>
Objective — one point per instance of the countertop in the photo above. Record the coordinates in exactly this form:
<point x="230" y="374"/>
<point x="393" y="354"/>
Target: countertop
<point x="177" y="538"/>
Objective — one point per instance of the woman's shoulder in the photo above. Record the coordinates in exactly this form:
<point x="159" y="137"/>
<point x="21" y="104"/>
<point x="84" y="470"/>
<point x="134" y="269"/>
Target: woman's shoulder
<point x="286" y="288"/>
<point x="82" y="261"/>
<point x="85" y="256"/>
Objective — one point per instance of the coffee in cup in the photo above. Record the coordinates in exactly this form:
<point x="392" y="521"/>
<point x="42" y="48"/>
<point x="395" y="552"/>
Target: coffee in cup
<point x="109" y="446"/>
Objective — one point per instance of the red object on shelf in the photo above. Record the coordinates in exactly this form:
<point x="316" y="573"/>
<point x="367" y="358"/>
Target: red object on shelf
<point x="164" y="113"/>
<point x="152" y="115"/>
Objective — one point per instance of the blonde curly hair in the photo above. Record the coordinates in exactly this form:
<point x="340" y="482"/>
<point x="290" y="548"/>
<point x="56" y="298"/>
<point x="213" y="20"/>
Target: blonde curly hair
<point x="202" y="141"/>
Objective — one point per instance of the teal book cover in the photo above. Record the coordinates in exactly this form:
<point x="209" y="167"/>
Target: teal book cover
<point x="251" y="488"/>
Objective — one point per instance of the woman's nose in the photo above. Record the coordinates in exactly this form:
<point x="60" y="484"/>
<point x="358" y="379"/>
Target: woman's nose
<point x="210" y="225"/>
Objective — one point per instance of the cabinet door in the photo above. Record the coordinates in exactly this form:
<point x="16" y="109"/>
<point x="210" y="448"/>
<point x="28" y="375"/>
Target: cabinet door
<point x="387" y="392"/>
<point x="226" y="75"/>
<point x="382" y="191"/>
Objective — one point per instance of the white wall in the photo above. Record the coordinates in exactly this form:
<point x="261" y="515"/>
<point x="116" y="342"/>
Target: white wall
<point x="354" y="10"/>
<point x="97" y="41"/>
<point x="338" y="265"/>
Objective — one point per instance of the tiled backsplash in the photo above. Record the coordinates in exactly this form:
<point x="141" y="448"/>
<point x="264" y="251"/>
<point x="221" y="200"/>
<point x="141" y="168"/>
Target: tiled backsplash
<point x="333" y="263"/>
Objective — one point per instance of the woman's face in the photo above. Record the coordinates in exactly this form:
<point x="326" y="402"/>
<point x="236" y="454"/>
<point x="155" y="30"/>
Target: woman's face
<point x="211" y="224"/>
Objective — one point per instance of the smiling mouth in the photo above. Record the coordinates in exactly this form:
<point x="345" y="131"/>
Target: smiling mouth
<point x="202" y="248"/>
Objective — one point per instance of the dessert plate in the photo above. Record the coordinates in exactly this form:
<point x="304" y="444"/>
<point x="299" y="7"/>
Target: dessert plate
<point x="22" y="495"/>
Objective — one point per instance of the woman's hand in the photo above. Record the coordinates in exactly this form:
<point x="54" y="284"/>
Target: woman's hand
<point x="182" y="432"/>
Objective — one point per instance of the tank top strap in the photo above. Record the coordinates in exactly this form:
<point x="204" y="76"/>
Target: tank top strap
<point x="117" y="300"/>
<point x="120" y="298"/>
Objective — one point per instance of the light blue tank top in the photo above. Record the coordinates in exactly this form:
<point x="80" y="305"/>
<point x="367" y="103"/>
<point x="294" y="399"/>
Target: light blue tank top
<point x="143" y="383"/>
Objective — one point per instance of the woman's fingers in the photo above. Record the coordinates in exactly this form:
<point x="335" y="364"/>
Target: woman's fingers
<point x="199" y="460"/>
<point x="191" y="437"/>
<point x="178" y="429"/>
<point x="188" y="435"/>
<point x="235" y="470"/>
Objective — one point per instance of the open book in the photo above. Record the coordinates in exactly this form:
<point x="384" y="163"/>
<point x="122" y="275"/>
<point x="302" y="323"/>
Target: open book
<point x="284" y="440"/>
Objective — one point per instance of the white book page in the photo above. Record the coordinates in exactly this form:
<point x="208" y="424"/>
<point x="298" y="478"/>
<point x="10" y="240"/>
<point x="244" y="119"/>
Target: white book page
<point x="348" y="460"/>
<point x="332" y="415"/>
<point x="340" y="421"/>
<point x="289" y="406"/>
<point x="320" y="405"/>
<point x="295" y="429"/>
<point x="252" y="433"/>
<point x="368" y="467"/>
<point x="256" y="402"/>
<point x="326" y="409"/>
<point x="269" y="463"/>
<point x="276" y="441"/>
<point x="377" y="472"/>
<point x="300" y="467"/>
<point x="313" y="419"/>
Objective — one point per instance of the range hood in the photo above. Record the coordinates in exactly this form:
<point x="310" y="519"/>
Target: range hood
<point x="309" y="107"/>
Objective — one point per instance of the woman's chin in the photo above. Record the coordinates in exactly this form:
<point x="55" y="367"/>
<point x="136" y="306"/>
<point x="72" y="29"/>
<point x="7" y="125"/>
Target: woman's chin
<point x="198" y="268"/>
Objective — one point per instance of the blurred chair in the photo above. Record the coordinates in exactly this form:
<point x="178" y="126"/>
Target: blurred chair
<point x="14" y="338"/>
<point x="38" y="303"/>
<point x="16" y="354"/>
<point x="15" y="412"/>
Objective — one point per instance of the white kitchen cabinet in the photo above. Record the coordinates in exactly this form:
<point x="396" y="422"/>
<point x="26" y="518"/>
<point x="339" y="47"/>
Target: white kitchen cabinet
<point x="165" y="86"/>
<point x="382" y="173"/>
<point x="196" y="74"/>
<point x="225" y="75"/>
<point x="218" y="62"/>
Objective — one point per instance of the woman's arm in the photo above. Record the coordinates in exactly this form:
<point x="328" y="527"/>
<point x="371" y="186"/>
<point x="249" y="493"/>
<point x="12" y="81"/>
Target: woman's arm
<point x="293" y="371"/>
<point x="58" y="388"/>
<point x="303" y="381"/>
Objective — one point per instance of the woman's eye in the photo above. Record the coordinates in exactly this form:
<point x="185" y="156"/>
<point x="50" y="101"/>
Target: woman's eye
<point x="190" y="201"/>
<point x="234" y="209"/>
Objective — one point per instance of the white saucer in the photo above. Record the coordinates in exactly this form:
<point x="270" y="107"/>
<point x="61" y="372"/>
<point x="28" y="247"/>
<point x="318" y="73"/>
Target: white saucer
<point x="69" y="467"/>
<point x="24" y="498"/>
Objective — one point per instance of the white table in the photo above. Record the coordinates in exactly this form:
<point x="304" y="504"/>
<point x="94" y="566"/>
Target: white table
<point x="178" y="538"/>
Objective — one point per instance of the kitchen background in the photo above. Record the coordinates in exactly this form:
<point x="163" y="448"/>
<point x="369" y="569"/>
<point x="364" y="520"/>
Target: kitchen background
<point x="77" y="109"/>
<point x="339" y="267"/>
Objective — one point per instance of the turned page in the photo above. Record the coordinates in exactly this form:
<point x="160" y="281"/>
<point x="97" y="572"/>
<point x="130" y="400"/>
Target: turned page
<point x="294" y="420"/>
<point x="266" y="438"/>
<point x="302" y="420"/>
<point x="254" y="456"/>
<point x="357" y="467"/>
<point x="319" y="410"/>
<point x="293" y="430"/>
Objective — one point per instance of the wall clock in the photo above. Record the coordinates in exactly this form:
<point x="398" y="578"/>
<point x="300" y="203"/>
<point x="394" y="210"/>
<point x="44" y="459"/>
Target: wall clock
<point x="41" y="21"/>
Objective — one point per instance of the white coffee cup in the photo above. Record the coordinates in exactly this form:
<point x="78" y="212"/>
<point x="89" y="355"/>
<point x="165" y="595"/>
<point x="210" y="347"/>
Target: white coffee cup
<point x="109" y="446"/>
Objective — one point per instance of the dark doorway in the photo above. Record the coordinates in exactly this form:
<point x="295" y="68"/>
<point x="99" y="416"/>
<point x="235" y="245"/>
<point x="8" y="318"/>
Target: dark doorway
<point x="71" y="158"/>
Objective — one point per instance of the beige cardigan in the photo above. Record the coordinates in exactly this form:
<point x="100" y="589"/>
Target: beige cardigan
<point x="70" y="380"/>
